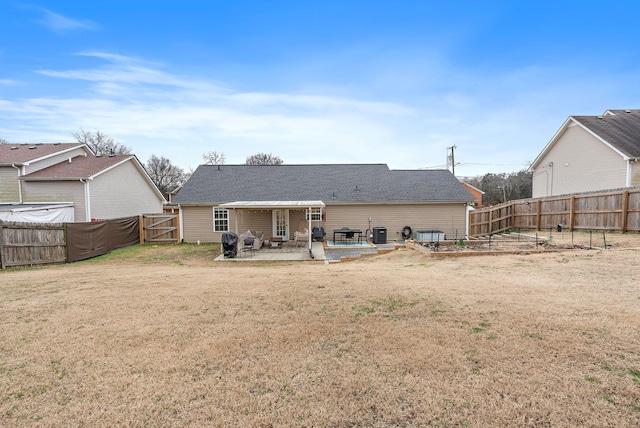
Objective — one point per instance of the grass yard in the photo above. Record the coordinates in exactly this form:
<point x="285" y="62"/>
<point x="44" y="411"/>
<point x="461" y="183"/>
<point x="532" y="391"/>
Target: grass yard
<point x="162" y="336"/>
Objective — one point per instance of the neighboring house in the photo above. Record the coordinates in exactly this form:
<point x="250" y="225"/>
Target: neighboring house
<point x="99" y="187"/>
<point x="476" y="193"/>
<point x="279" y="199"/>
<point x="590" y="153"/>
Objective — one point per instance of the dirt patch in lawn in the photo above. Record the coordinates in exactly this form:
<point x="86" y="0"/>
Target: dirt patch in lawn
<point x="162" y="336"/>
<point x="530" y="242"/>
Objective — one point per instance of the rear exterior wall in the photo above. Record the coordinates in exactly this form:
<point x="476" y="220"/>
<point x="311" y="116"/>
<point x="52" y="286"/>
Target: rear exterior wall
<point x="449" y="218"/>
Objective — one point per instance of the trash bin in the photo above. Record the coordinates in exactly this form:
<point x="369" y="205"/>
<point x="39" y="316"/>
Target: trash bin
<point x="379" y="235"/>
<point x="229" y="245"/>
<point x="560" y="228"/>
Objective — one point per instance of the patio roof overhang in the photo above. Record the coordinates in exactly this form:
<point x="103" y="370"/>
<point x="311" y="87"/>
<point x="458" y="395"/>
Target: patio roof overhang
<point x="274" y="205"/>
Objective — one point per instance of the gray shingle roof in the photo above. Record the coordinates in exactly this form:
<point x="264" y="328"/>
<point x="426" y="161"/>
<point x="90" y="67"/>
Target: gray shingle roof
<point x="19" y="153"/>
<point x="621" y="129"/>
<point x="336" y="183"/>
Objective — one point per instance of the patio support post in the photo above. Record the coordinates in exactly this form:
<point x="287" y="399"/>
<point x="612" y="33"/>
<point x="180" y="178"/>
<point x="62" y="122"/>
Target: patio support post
<point x="309" y="213"/>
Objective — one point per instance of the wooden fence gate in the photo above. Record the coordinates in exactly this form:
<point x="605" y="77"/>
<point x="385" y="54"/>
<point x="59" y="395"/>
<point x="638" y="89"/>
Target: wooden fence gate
<point x="160" y="228"/>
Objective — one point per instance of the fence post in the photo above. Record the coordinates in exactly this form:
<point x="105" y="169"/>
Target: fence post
<point x="66" y="242"/>
<point x="1" y="246"/>
<point x="538" y="214"/>
<point x="572" y="212"/>
<point x="625" y="210"/>
<point x="513" y="215"/>
<point x="490" y="220"/>
<point x="141" y="228"/>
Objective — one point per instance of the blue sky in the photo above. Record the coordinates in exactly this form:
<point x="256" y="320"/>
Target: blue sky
<point x="393" y="82"/>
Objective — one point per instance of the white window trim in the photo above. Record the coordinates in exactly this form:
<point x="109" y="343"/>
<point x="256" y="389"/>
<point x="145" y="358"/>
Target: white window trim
<point x="217" y="210"/>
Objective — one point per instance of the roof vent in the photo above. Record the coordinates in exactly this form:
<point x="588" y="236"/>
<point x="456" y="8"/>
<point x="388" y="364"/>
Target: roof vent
<point x="14" y="148"/>
<point x="600" y="117"/>
<point x="69" y="160"/>
<point x="32" y="147"/>
<point x="627" y="111"/>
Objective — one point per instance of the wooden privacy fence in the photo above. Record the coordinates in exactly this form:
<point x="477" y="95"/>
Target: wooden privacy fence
<point x="25" y="244"/>
<point x="28" y="244"/>
<point x="617" y="210"/>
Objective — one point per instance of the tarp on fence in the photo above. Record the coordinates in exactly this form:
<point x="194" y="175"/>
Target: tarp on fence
<point x="86" y="240"/>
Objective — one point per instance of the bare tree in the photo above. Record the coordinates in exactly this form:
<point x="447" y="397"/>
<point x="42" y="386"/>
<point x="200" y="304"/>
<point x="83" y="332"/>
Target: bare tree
<point x="100" y="143"/>
<point x="3" y="141"/>
<point x="214" y="158"/>
<point x="264" y="159"/>
<point x="166" y="176"/>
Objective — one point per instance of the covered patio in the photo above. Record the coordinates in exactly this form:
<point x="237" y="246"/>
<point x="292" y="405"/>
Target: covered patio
<point x="280" y="227"/>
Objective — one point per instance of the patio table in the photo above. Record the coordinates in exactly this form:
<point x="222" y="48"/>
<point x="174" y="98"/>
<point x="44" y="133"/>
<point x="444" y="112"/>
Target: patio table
<point x="347" y="234"/>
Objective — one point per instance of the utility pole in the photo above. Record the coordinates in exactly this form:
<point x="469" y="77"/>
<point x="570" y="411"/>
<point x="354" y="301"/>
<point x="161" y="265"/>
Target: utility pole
<point x="451" y="159"/>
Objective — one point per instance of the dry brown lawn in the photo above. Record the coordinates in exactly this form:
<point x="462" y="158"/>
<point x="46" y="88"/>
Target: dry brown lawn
<point x="162" y="336"/>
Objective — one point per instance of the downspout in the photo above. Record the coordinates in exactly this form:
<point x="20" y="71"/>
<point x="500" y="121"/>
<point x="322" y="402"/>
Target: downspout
<point x="467" y="210"/>
<point x="19" y="183"/>
<point x="87" y="200"/>
<point x="630" y="163"/>
<point x="181" y="224"/>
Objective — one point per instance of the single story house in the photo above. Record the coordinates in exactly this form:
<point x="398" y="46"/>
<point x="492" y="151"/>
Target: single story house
<point x="590" y="153"/>
<point x="281" y="199"/>
<point x="98" y="187"/>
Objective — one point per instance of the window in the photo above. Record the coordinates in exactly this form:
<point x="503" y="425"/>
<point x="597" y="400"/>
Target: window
<point x="316" y="214"/>
<point x="220" y="220"/>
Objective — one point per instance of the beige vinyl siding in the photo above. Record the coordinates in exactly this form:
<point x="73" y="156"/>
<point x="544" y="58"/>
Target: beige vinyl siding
<point x="122" y="192"/>
<point x="9" y="185"/>
<point x="449" y="218"/>
<point x="57" y="191"/>
<point x="198" y="224"/>
<point x="53" y="160"/>
<point x="242" y="220"/>
<point x="581" y="163"/>
<point x="635" y="173"/>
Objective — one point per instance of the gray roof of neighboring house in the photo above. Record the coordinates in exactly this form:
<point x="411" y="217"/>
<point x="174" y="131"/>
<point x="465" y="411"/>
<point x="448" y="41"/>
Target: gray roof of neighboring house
<point x="337" y="183"/>
<point x="620" y="128"/>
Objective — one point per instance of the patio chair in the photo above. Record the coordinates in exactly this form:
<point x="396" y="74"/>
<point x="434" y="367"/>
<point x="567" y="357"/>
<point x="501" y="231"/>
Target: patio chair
<point x="302" y="234"/>
<point x="247" y="245"/>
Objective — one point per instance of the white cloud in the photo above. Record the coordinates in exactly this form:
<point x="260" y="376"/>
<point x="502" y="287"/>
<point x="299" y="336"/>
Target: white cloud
<point x="59" y="23"/>
<point x="498" y="121"/>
